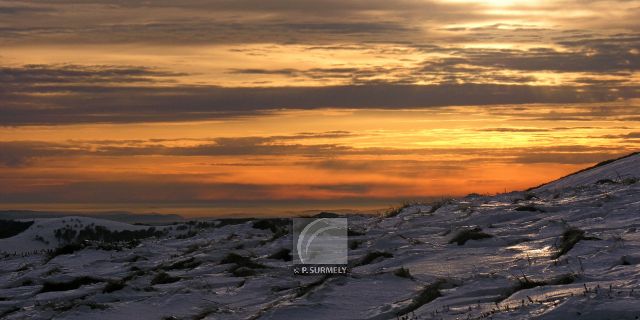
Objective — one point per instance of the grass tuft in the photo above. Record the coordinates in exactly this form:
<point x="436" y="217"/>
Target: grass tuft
<point x="394" y="211"/>
<point x="242" y="272"/>
<point x="76" y="283"/>
<point x="570" y="237"/>
<point x="162" y="278"/>
<point x="243" y="266"/>
<point x="241" y="261"/>
<point x="565" y="279"/>
<point x="530" y="208"/>
<point x="371" y="256"/>
<point x="354" y="244"/>
<point x="438" y="204"/>
<point x="283" y="254"/>
<point x="183" y="264"/>
<point x="274" y="224"/>
<point x="66" y="249"/>
<point x="426" y="295"/>
<point x="469" y="234"/>
<point x="113" y="285"/>
<point x="403" y="272"/>
<point x="307" y="288"/>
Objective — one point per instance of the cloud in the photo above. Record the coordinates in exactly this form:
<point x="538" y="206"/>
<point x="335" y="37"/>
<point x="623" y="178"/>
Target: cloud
<point x="405" y="168"/>
<point x="317" y="155"/>
<point x="514" y="130"/>
<point x="602" y="82"/>
<point x="172" y="192"/>
<point x="302" y="21"/>
<point x="39" y="182"/>
<point x="21" y="9"/>
<point x="630" y="135"/>
<point x="220" y="22"/>
<point x="593" y="57"/>
<point x="21" y="153"/>
<point x="344" y="188"/>
<point x="255" y="57"/>
<point x="53" y="95"/>
<point x="38" y="75"/>
<point x="613" y="112"/>
<point x="587" y="64"/>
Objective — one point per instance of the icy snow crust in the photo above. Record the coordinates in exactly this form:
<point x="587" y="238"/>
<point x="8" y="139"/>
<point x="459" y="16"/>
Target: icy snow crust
<point x="511" y="275"/>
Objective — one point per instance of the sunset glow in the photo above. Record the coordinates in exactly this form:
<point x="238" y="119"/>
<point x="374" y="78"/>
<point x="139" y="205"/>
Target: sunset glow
<point x="272" y="107"/>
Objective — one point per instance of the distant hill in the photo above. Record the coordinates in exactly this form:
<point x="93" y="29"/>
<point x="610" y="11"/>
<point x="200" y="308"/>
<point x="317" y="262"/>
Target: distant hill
<point x="120" y="216"/>
<point x="41" y="234"/>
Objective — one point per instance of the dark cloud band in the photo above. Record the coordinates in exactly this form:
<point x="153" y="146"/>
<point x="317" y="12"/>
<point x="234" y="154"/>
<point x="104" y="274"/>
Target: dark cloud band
<point x="55" y="104"/>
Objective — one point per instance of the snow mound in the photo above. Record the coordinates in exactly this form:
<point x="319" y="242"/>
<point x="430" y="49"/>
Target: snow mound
<point x="627" y="167"/>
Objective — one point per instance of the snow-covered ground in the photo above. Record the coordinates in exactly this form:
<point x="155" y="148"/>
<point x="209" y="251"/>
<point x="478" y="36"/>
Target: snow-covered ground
<point x="619" y="170"/>
<point x="518" y="270"/>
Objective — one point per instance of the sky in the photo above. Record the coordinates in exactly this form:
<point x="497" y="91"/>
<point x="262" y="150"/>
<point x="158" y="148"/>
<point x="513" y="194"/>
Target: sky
<point x="253" y="107"/>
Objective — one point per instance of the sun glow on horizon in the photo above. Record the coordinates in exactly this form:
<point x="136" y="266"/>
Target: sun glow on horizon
<point x="204" y="105"/>
<point x="317" y="155"/>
